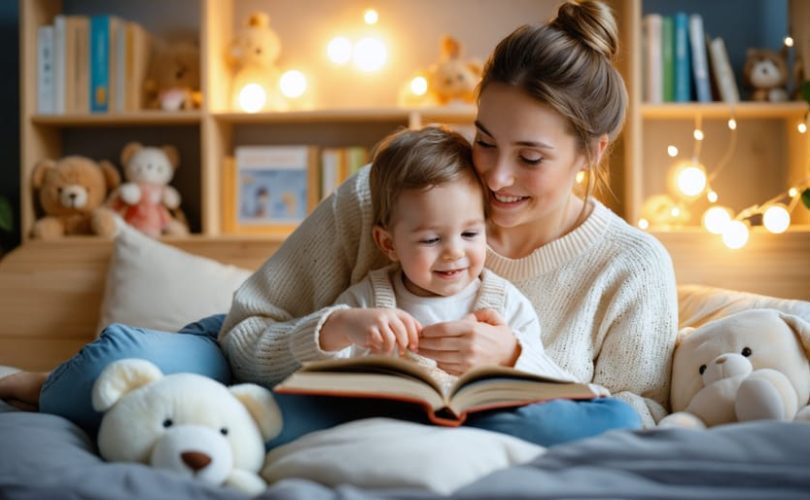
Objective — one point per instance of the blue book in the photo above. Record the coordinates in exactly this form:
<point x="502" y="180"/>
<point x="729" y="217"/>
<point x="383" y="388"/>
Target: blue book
<point x="100" y="63"/>
<point x="683" y="63"/>
<point x="700" y="63"/>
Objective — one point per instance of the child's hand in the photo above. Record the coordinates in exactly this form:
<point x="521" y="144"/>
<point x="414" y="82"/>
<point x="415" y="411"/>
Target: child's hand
<point x="377" y="329"/>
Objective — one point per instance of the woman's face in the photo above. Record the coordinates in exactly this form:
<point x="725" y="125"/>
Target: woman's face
<point x="526" y="157"/>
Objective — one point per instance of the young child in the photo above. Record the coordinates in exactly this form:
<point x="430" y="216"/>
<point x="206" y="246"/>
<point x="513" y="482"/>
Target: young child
<point x="429" y="220"/>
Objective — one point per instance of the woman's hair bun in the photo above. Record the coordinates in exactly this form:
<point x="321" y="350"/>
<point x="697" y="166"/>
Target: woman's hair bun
<point x="591" y="23"/>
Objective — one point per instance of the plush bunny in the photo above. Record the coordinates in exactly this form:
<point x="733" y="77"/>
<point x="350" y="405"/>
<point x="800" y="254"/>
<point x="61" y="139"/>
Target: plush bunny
<point x="750" y="365"/>
<point x="186" y="423"/>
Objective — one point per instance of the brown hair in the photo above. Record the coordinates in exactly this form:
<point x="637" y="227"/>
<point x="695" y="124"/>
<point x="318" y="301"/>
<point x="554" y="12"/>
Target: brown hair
<point x="567" y="65"/>
<point x="416" y="159"/>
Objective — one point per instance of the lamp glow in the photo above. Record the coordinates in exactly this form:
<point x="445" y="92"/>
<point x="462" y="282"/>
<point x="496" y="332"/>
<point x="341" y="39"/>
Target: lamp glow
<point x="643" y="224"/>
<point x="788" y="41"/>
<point x="715" y="219"/>
<point x="339" y="50"/>
<point x="732" y="124"/>
<point x="793" y="192"/>
<point x="672" y="151"/>
<point x="802" y="128"/>
<point x="735" y="234"/>
<point x="580" y="177"/>
<point x="419" y="85"/>
<point x="370" y="54"/>
<point x="252" y="97"/>
<point x="293" y="84"/>
<point x="712" y="196"/>
<point x="776" y="218"/>
<point x="370" y="16"/>
<point x="698" y="134"/>
<point x="691" y="180"/>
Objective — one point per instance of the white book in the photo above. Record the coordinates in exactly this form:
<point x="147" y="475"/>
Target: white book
<point x="46" y="85"/>
<point x="119" y="79"/>
<point x="700" y="66"/>
<point x="722" y="72"/>
<point x="653" y="60"/>
<point x="332" y="170"/>
<point x="59" y="62"/>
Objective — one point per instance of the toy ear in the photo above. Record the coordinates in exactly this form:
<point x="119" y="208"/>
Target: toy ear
<point x="258" y="20"/>
<point x="801" y="328"/>
<point x="450" y="47"/>
<point x="683" y="333"/>
<point x="121" y="378"/>
<point x="172" y="154"/>
<point x="261" y="406"/>
<point x="111" y="175"/>
<point x="129" y="151"/>
<point x="40" y="170"/>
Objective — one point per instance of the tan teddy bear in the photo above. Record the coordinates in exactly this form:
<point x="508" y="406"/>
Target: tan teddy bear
<point x="453" y="79"/>
<point x="766" y="73"/>
<point x="173" y="83"/>
<point x="71" y="192"/>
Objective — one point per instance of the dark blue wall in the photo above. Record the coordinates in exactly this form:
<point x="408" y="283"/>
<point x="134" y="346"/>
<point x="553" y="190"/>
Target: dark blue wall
<point x="10" y="114"/>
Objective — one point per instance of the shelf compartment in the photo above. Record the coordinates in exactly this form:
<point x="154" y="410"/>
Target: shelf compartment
<point x="724" y="110"/>
<point x="119" y="119"/>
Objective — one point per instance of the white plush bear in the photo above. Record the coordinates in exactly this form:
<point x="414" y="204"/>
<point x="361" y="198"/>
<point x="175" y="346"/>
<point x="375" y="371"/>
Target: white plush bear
<point x="186" y="423"/>
<point x="750" y="365"/>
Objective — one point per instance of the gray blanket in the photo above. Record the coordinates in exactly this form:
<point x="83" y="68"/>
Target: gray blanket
<point x="43" y="456"/>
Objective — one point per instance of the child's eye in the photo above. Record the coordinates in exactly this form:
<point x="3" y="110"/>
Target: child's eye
<point x="429" y="241"/>
<point x="469" y="234"/>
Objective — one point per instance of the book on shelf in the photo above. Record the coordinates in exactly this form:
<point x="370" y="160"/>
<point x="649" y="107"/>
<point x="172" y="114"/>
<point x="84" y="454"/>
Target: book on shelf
<point x="668" y="58"/>
<point x="722" y="73"/>
<point x="104" y="32"/>
<point x="700" y="66"/>
<point x="445" y="402"/>
<point x="71" y="54"/>
<point x="334" y="169"/>
<point x="356" y="158"/>
<point x="653" y="58"/>
<point x="682" y="57"/>
<point x="46" y="89"/>
<point x="137" y="46"/>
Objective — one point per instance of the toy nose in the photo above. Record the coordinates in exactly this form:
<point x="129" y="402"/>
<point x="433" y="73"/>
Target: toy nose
<point x="195" y="459"/>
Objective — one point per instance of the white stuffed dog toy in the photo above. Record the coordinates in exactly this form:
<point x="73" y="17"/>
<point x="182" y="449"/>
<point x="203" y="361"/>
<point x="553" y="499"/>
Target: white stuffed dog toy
<point x="750" y="365"/>
<point x="186" y="423"/>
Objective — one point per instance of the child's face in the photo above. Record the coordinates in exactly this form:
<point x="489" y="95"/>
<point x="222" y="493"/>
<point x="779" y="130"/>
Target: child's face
<point x="438" y="237"/>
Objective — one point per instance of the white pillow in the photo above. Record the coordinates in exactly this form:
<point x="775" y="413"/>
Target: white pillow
<point x="388" y="453"/>
<point x="154" y="285"/>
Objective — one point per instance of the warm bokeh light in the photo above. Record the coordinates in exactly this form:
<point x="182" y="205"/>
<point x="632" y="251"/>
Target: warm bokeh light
<point x="690" y="179"/>
<point x="802" y="128"/>
<point x="715" y="219"/>
<point x="712" y="196"/>
<point x="735" y="234"/>
<point x="776" y="218"/>
<point x="672" y="151"/>
<point x="643" y="224"/>
<point x="252" y="98"/>
<point x="369" y="54"/>
<point x="732" y="124"/>
<point x="339" y="50"/>
<point x="788" y="41"/>
<point x="793" y="192"/>
<point x="419" y="85"/>
<point x="370" y="17"/>
<point x="580" y="177"/>
<point x="698" y="134"/>
<point x="293" y="84"/>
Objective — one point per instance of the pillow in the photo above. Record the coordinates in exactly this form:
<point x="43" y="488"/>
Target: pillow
<point x="389" y="453"/>
<point x="699" y="304"/>
<point x="157" y="286"/>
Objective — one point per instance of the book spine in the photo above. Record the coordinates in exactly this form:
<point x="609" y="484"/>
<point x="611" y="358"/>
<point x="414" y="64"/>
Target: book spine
<point x="81" y="88"/>
<point x="700" y="68"/>
<point x="99" y="63"/>
<point x="59" y="63"/>
<point x="668" y="59"/>
<point x="683" y="66"/>
<point x="46" y="89"/>
<point x="333" y="170"/>
<point x="118" y="68"/>
<point x="653" y="68"/>
<point x="722" y="72"/>
<point x="356" y="158"/>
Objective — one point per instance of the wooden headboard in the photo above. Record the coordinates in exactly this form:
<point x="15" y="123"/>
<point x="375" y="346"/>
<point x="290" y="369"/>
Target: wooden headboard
<point x="51" y="292"/>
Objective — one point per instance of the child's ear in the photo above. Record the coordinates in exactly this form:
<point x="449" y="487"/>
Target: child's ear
<point x="385" y="242"/>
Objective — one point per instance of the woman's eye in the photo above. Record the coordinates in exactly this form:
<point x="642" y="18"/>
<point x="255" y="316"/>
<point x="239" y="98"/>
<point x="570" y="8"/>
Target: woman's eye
<point x="531" y="160"/>
<point x="483" y="144"/>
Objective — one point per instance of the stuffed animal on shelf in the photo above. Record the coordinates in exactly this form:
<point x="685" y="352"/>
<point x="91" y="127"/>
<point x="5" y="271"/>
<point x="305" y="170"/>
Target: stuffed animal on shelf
<point x="453" y="79"/>
<point x="766" y="74"/>
<point x="173" y="83"/>
<point x="71" y="193"/>
<point x="252" y="56"/>
<point x="146" y="200"/>
<point x="749" y="365"/>
<point x="186" y="423"/>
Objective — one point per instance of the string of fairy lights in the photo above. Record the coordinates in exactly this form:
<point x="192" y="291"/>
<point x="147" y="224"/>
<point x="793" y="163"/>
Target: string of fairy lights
<point x="690" y="182"/>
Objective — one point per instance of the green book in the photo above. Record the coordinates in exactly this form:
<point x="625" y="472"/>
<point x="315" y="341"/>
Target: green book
<point x="667" y="59"/>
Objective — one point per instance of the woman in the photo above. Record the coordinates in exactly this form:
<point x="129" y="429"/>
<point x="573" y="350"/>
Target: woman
<point x="550" y="104"/>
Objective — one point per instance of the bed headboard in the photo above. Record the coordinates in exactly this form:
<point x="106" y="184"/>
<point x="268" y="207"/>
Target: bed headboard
<point x="51" y="292"/>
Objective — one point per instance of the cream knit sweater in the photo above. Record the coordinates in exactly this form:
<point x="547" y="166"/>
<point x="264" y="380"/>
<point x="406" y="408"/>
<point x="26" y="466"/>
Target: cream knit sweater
<point x="605" y="295"/>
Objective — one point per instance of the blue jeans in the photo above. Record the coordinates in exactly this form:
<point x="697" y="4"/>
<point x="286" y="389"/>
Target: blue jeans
<point x="67" y="392"/>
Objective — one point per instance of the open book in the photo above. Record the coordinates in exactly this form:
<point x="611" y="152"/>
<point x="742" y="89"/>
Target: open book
<point x="446" y="403"/>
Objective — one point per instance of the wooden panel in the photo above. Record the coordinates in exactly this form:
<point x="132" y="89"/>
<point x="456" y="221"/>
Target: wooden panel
<point x="41" y="354"/>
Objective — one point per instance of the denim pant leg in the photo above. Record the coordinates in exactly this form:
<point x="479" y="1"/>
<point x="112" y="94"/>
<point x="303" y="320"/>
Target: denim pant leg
<point x="68" y="390"/>
<point x="559" y="421"/>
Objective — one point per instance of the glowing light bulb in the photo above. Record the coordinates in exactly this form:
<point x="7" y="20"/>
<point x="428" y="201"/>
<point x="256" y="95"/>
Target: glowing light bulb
<point x="370" y="16"/>
<point x="776" y="218"/>
<point x="293" y="84"/>
<point x="643" y="224"/>
<point x="732" y="124"/>
<point x="802" y="128"/>
<point x="788" y="41"/>
<point x="252" y="98"/>
<point x="712" y="196"/>
<point x="735" y="234"/>
<point x="419" y="85"/>
<point x="672" y="151"/>
<point x="691" y="180"/>
<point x="715" y="219"/>
<point x="339" y="50"/>
<point x="370" y="54"/>
<point x="698" y="134"/>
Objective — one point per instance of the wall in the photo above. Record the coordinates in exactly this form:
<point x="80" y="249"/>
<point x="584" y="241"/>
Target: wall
<point x="10" y="111"/>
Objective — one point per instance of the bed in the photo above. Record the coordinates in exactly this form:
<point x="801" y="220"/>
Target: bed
<point x="56" y="295"/>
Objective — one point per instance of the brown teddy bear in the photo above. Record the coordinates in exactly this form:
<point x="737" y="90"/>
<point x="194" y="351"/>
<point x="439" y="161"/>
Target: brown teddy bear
<point x="71" y="192"/>
<point x="173" y="83"/>
<point x="766" y="73"/>
<point x="453" y="79"/>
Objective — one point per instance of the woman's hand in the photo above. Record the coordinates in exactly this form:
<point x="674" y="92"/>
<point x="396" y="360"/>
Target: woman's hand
<point x="377" y="329"/>
<point x="481" y="338"/>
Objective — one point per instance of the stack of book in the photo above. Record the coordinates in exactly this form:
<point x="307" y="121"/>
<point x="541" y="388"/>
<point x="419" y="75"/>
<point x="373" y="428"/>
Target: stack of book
<point x="91" y="64"/>
<point x="682" y="64"/>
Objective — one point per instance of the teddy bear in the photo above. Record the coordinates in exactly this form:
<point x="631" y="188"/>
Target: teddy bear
<point x="453" y="79"/>
<point x="146" y="200"/>
<point x="71" y="193"/>
<point x="173" y="83"/>
<point x="766" y="73"/>
<point x="252" y="55"/>
<point x="186" y="423"/>
<point x="750" y="365"/>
